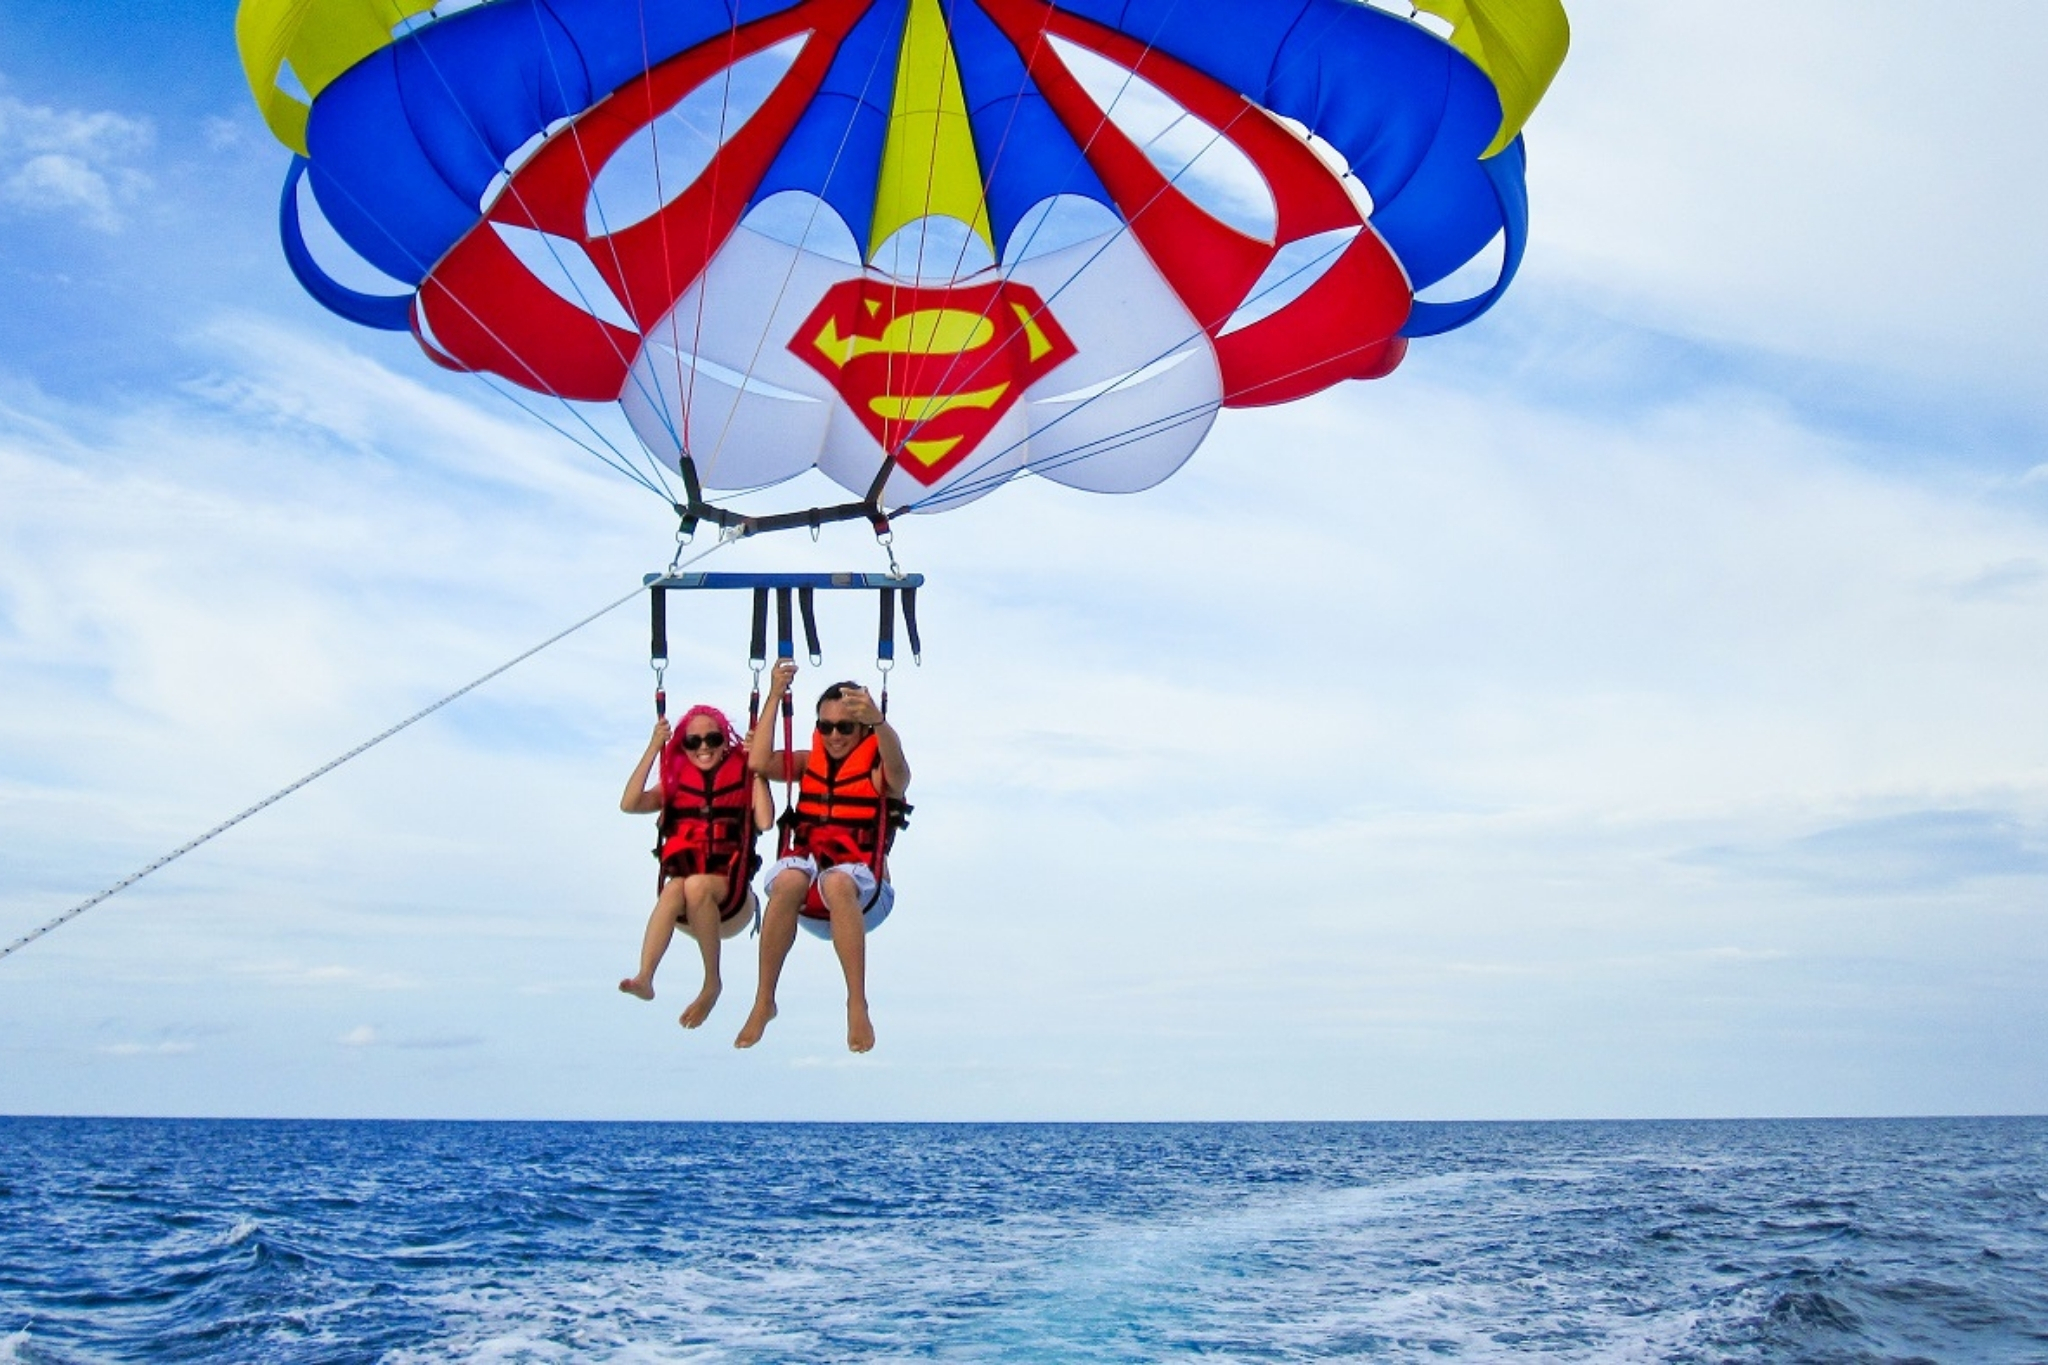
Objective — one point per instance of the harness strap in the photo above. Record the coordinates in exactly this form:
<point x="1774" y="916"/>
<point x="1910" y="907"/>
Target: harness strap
<point x="885" y="644"/>
<point x="786" y="650"/>
<point x="741" y="871"/>
<point x="806" y="601"/>
<point x="657" y="648"/>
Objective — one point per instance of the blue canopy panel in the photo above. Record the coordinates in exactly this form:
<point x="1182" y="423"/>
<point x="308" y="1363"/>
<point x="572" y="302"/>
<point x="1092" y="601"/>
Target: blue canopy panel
<point x="1408" y="111"/>
<point x="1027" y="155"/>
<point x="404" y="144"/>
<point x="390" y="312"/>
<point x="619" y="40"/>
<point x="835" y="150"/>
<point x="1507" y="170"/>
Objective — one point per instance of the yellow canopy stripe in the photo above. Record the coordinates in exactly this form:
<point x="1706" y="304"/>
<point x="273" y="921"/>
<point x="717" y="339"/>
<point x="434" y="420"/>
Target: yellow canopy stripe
<point x="928" y="164"/>
<point x="319" y="39"/>
<point x="1519" y="44"/>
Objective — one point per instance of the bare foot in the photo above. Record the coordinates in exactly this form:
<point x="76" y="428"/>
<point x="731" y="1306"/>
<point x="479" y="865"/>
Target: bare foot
<point x="640" y="986"/>
<point x="698" y="1010"/>
<point x="756" y="1025"/>
<point x="860" y="1032"/>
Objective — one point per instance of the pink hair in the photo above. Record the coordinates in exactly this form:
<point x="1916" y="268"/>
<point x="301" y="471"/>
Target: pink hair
<point x="676" y="756"/>
<point x="732" y="736"/>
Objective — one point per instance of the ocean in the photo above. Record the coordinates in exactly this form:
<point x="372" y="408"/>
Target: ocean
<point x="1797" y="1241"/>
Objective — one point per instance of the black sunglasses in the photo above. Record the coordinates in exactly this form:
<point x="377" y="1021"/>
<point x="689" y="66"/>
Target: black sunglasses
<point x="696" y="742"/>
<point x="839" y="727"/>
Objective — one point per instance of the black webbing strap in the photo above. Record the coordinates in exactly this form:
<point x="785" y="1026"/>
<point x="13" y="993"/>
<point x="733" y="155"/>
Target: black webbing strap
<point x="885" y="642"/>
<point x="692" y="508"/>
<point x="806" y="602"/>
<point x="910" y="625"/>
<point x="786" y="649"/>
<point x="657" y="648"/>
<point x="757" y="656"/>
<point x="757" y="646"/>
<point x="740" y="873"/>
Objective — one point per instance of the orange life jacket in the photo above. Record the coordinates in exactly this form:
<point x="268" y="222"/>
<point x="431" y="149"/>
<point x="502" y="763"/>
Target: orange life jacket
<point x="841" y="813"/>
<point x="707" y="816"/>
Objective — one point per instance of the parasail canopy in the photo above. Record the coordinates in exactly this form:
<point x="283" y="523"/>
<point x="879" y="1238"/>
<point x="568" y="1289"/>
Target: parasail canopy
<point x="920" y="245"/>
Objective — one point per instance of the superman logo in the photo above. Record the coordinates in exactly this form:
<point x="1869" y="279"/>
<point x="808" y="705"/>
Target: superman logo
<point x="931" y="370"/>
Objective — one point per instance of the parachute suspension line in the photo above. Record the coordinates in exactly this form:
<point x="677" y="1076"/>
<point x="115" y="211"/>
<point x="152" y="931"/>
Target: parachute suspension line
<point x="1109" y="240"/>
<point x="679" y="428"/>
<point x="539" y="385"/>
<point x="688" y="388"/>
<point x="891" y="459"/>
<point x="988" y="180"/>
<point x="1101" y="446"/>
<point x="492" y="383"/>
<point x="1002" y="145"/>
<point x="483" y="144"/>
<point x="967" y="482"/>
<point x="869" y="507"/>
<point x="224" y="826"/>
<point x="1160" y="424"/>
<point x="1081" y="454"/>
<point x="961" y="486"/>
<point x="789" y="274"/>
<point x="575" y="133"/>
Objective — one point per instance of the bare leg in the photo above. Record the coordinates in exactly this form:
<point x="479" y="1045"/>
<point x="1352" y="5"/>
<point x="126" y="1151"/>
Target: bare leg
<point x="702" y="900"/>
<point x="850" y="941"/>
<point x="778" y="931"/>
<point x="661" y="926"/>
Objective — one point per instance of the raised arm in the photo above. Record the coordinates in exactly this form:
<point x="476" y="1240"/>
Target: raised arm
<point x="761" y="753"/>
<point x="642" y="797"/>
<point x="895" y="768"/>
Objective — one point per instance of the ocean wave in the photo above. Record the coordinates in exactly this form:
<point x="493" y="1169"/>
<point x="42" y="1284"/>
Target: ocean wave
<point x="1556" y="1243"/>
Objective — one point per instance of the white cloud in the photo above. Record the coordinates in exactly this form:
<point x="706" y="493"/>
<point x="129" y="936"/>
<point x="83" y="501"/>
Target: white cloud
<point x="165" y="1049"/>
<point x="71" y="163"/>
<point x="1859" y="184"/>
<point x="293" y="974"/>
<point x="366" y="1036"/>
<point x="1434" y="747"/>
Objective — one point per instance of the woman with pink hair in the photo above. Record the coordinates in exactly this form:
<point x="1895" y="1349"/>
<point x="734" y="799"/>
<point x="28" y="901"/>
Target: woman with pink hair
<point x="712" y="807"/>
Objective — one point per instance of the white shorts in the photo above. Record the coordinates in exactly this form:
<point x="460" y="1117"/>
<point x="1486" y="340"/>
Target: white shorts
<point x="877" y="899"/>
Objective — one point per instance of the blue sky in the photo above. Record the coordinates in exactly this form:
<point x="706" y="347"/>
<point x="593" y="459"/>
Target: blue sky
<point x="1629" y="708"/>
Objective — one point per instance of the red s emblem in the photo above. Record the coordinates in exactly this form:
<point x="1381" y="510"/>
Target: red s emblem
<point x="930" y="371"/>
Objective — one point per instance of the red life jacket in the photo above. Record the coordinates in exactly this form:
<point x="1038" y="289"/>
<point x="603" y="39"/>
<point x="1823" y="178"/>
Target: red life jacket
<point x="707" y="816"/>
<point x="842" y="814"/>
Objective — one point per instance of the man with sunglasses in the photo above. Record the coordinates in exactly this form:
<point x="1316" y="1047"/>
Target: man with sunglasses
<point x="833" y="873"/>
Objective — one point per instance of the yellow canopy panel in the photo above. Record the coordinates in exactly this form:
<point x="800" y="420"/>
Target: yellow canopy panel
<point x="1520" y="44"/>
<point x="928" y="164"/>
<point x="318" y="40"/>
